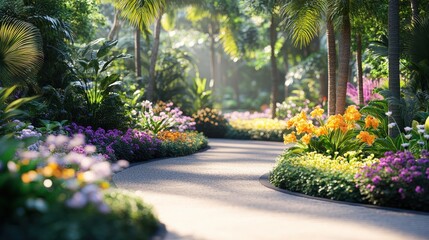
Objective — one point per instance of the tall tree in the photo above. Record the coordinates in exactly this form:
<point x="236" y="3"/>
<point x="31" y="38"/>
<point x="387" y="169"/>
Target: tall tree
<point x="344" y="56"/>
<point x="141" y="13"/>
<point x="359" y="69"/>
<point x="272" y="9"/>
<point x="154" y="55"/>
<point x="394" y="76"/>
<point x="304" y="20"/>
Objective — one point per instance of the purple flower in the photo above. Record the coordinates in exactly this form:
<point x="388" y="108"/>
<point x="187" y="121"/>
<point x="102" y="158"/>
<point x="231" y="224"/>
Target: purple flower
<point x="376" y="180"/>
<point x="419" y="189"/>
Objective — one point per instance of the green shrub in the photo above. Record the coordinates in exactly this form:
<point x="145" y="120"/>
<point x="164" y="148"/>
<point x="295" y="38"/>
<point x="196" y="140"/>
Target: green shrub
<point x="211" y="123"/>
<point x="174" y="144"/>
<point x="129" y="218"/>
<point x="319" y="175"/>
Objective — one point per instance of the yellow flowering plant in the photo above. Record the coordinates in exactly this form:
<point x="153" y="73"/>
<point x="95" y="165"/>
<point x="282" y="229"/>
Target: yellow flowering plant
<point x="336" y="136"/>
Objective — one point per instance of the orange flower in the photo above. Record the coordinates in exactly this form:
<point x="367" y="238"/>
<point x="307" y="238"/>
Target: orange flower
<point x="335" y="121"/>
<point x="29" y="176"/>
<point x="294" y="121"/>
<point x="306" y="138"/>
<point x="366" y="137"/>
<point x="371" y="121"/>
<point x="290" y="138"/>
<point x="352" y="114"/>
<point x="304" y="127"/>
<point x="321" y="131"/>
<point x="317" y="112"/>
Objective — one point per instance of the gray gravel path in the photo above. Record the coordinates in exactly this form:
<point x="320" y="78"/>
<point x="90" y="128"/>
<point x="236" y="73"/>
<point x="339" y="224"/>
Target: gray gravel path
<point x="216" y="194"/>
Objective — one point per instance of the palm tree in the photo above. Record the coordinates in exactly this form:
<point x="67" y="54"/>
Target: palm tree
<point x="303" y="19"/>
<point x="21" y="53"/>
<point x="393" y="56"/>
<point x="344" y="55"/>
<point x="141" y="13"/>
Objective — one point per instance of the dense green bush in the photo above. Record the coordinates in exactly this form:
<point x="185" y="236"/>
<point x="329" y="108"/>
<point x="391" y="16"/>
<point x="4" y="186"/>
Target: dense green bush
<point x="129" y="218"/>
<point x="211" y="123"/>
<point x="318" y="175"/>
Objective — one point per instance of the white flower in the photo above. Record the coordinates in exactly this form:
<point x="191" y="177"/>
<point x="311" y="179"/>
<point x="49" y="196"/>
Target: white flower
<point x="77" y="140"/>
<point x="421" y="126"/>
<point x="426" y="136"/>
<point x="421" y="131"/>
<point x="90" y="149"/>
<point x="405" y="145"/>
<point x="101" y="169"/>
<point x="11" y="166"/>
<point x="389" y="113"/>
<point x="407" y="129"/>
<point x="421" y="143"/>
<point x="408" y="136"/>
<point x="391" y="125"/>
<point x="90" y="176"/>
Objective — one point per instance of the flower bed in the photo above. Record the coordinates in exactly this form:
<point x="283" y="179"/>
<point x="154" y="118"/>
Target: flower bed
<point x="342" y="159"/>
<point x="257" y="129"/>
<point x="135" y="146"/>
<point x="62" y="191"/>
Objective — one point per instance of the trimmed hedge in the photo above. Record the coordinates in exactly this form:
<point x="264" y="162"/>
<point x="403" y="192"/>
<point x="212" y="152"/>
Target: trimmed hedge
<point x="319" y="175"/>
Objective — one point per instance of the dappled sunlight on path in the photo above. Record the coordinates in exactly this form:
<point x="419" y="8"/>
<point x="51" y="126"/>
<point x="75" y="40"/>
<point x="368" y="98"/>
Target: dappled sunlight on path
<point x="216" y="194"/>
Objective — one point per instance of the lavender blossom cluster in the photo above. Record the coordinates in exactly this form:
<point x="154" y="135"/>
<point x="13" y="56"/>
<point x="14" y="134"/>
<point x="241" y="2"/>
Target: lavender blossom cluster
<point x="398" y="180"/>
<point x="132" y="145"/>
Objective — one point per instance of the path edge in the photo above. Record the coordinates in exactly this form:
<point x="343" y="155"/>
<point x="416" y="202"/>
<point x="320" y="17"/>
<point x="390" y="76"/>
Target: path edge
<point x="264" y="180"/>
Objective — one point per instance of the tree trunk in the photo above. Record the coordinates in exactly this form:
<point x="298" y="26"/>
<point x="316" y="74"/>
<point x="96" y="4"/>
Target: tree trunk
<point x="213" y="66"/>
<point x="114" y="32"/>
<point x="153" y="58"/>
<point x="414" y="10"/>
<point x="137" y="54"/>
<point x="286" y="67"/>
<point x="324" y="83"/>
<point x="274" y="70"/>
<point x="394" y="77"/>
<point x="343" y="65"/>
<point x="359" y="68"/>
<point x="332" y="65"/>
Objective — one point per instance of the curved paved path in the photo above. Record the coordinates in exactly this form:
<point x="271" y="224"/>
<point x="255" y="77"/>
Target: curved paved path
<point x="216" y="194"/>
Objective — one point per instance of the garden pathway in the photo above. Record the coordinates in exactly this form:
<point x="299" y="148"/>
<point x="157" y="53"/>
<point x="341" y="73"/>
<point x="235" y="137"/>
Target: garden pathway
<point x="216" y="194"/>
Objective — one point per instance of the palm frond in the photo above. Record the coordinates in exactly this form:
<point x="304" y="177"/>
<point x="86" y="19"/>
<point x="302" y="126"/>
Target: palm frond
<point x="140" y="13"/>
<point x="229" y="42"/>
<point x="302" y="19"/>
<point x="21" y="53"/>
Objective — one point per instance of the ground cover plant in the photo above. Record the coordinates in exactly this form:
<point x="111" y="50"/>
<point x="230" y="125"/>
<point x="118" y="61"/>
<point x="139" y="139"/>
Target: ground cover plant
<point x="350" y="157"/>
